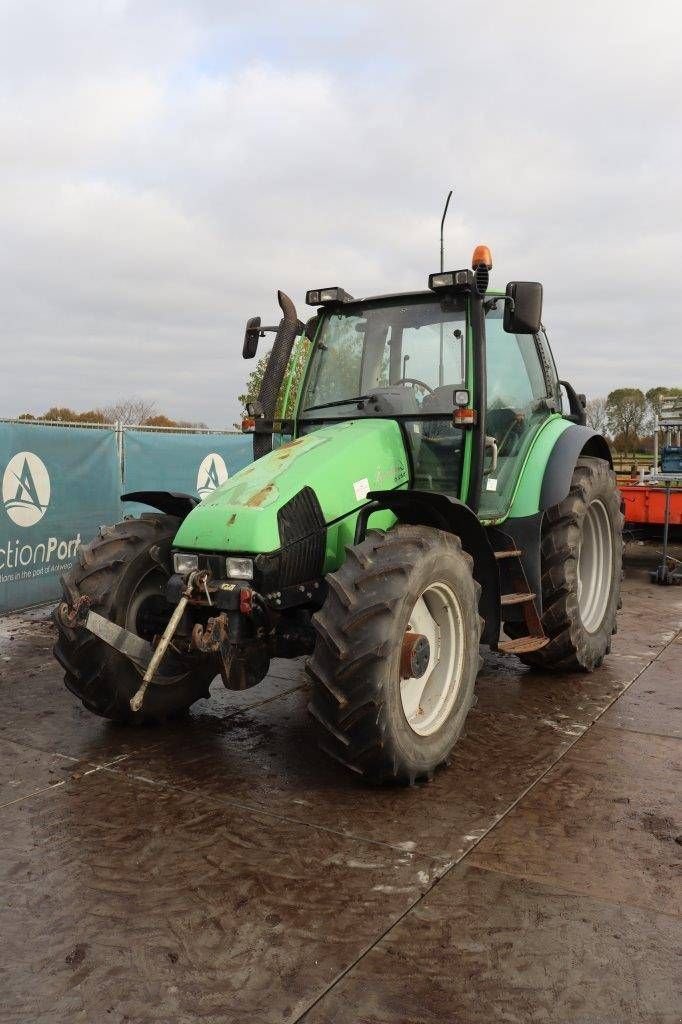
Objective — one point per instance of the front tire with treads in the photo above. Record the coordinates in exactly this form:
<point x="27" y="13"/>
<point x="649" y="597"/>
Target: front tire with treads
<point x="371" y="718"/>
<point x="125" y="584"/>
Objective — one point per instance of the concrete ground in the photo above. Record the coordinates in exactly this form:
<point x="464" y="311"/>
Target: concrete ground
<point x="224" y="870"/>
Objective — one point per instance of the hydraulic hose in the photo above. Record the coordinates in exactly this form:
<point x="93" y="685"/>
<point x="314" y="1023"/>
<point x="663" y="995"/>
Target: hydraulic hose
<point x="275" y="370"/>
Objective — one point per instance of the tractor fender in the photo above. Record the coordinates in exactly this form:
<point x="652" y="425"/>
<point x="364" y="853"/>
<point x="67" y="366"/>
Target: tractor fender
<point x="173" y="503"/>
<point x="432" y="508"/>
<point x="569" y="446"/>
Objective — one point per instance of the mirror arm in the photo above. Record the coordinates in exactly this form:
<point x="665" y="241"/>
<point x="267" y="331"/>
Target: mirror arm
<point x="492" y="303"/>
<point x="262" y="330"/>
<point x="577" y="409"/>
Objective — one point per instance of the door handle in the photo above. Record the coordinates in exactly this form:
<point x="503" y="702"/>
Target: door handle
<point x="491" y="443"/>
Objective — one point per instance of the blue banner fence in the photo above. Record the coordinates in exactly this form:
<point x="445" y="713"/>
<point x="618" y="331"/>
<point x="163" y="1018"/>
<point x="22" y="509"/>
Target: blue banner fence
<point x="61" y="482"/>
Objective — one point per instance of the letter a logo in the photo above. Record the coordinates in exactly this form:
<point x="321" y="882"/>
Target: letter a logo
<point x="212" y="473"/>
<point x="26" y="489"/>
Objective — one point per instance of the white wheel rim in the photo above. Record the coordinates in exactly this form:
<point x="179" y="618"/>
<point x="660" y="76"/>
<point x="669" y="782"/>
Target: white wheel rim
<point x="428" y="700"/>
<point x="595" y="566"/>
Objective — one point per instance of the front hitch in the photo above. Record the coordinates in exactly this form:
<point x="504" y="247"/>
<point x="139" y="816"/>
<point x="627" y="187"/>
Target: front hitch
<point x="141" y="653"/>
<point x="214" y="639"/>
<point x="195" y="580"/>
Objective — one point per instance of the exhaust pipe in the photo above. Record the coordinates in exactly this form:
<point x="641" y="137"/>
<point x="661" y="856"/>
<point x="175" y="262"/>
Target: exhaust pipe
<point x="274" y="372"/>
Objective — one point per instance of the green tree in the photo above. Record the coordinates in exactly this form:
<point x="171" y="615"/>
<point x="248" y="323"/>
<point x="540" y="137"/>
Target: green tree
<point x="626" y="411"/>
<point x="254" y="381"/>
<point x="253" y="386"/>
<point x="654" y="397"/>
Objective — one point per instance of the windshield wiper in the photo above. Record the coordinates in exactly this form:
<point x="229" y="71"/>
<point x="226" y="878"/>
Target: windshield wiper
<point x="341" y="401"/>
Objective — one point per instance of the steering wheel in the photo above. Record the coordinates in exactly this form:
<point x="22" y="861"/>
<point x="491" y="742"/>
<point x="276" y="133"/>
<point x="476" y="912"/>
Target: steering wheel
<point x="419" y="383"/>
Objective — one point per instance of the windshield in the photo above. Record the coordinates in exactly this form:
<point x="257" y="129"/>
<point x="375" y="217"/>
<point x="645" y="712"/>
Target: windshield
<point x="403" y="357"/>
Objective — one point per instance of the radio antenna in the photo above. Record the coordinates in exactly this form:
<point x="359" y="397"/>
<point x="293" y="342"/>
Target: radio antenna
<point x="441" y="367"/>
<point x="442" y="223"/>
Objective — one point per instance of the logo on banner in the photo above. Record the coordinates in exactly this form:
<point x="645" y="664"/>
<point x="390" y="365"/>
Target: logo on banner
<point x="212" y="473"/>
<point x="26" y="489"/>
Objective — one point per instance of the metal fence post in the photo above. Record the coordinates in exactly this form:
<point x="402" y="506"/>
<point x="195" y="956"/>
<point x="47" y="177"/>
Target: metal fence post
<point x="118" y="427"/>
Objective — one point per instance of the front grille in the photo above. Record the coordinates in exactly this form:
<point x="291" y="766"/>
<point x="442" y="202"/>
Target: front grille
<point x="302" y="533"/>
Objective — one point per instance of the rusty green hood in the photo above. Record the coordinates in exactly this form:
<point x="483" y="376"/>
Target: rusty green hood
<point x="340" y="463"/>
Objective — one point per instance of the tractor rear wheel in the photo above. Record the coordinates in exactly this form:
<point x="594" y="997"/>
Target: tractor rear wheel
<point x="122" y="582"/>
<point x="582" y="564"/>
<point x="396" y="654"/>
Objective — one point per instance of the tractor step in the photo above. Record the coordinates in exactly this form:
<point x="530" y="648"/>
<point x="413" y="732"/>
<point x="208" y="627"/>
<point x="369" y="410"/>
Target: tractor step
<point x="508" y="599"/>
<point x="516" y="593"/>
<point x="523" y="644"/>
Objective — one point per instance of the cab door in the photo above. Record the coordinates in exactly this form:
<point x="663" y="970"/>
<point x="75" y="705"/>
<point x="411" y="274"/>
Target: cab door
<point x="521" y="395"/>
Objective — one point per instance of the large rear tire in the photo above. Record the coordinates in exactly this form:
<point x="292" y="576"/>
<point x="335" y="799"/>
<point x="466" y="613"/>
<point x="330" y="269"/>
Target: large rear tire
<point x="374" y="717"/>
<point x="582" y="564"/>
<point x="126" y="585"/>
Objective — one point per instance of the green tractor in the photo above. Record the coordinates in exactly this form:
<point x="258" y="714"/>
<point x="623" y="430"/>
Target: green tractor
<point x="434" y="496"/>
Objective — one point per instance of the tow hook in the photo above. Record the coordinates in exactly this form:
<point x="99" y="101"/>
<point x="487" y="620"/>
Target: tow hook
<point x="208" y="640"/>
<point x="214" y="640"/>
<point x="195" y="580"/>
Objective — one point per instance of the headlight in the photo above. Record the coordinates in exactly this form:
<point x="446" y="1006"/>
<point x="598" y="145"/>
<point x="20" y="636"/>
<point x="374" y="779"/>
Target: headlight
<point x="184" y="563"/>
<point x="239" y="568"/>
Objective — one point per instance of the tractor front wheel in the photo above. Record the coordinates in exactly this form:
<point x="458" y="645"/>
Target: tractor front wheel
<point x="396" y="654"/>
<point x="121" y="574"/>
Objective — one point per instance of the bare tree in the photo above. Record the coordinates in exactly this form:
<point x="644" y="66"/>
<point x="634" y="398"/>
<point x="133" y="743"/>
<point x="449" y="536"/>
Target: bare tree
<point x="596" y="414"/>
<point x="129" y="410"/>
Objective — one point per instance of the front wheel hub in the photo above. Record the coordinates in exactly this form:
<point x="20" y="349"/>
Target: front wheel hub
<point x="428" y="697"/>
<point x="414" y="657"/>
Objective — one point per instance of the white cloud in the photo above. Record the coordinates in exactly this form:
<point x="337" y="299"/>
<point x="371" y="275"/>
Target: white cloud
<point x="165" y="167"/>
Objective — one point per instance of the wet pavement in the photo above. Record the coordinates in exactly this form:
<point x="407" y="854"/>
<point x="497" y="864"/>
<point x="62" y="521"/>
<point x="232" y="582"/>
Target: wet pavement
<point x="221" y="869"/>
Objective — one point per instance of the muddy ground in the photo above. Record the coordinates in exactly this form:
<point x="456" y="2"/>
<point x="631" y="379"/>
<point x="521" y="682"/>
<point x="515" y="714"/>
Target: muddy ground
<point x="224" y="870"/>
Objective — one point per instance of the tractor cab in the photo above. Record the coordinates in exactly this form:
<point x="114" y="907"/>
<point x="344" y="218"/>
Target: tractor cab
<point x="401" y="357"/>
<point x="466" y="373"/>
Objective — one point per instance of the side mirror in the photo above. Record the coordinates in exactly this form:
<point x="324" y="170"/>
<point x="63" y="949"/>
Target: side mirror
<point x="523" y="315"/>
<point x="251" y="336"/>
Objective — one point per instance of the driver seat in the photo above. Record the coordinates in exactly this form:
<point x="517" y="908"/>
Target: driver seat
<point x="438" y="465"/>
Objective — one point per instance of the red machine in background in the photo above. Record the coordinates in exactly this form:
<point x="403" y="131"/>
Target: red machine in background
<point x="645" y="503"/>
<point x="656" y="498"/>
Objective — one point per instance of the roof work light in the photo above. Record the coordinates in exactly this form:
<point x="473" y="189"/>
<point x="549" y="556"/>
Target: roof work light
<point x="327" y="296"/>
<point x="449" y="279"/>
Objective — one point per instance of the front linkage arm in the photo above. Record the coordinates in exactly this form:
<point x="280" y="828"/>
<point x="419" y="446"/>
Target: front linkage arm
<point x="142" y="653"/>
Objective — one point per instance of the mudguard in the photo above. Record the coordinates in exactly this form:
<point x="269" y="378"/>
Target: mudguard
<point x="569" y="446"/>
<point x="173" y="503"/>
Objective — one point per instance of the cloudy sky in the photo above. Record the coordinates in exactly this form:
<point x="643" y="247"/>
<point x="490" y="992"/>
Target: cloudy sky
<point x="165" y="166"/>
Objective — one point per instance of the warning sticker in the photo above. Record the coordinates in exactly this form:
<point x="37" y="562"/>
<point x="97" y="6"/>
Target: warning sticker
<point x="361" y="487"/>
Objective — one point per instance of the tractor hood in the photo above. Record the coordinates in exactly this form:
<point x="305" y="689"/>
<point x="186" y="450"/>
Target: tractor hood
<point x="339" y="463"/>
